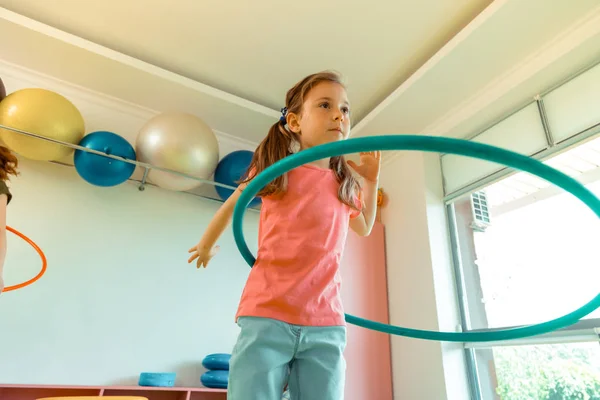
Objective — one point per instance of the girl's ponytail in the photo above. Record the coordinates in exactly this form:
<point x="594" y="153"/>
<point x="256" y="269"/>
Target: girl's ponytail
<point x="277" y="145"/>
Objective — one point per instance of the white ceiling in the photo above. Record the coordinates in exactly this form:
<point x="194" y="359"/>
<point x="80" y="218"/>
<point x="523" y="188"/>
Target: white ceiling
<point x="432" y="66"/>
<point x="258" y="49"/>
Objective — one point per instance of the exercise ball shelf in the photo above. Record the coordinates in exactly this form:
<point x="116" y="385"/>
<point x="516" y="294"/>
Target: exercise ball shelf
<point x="147" y="167"/>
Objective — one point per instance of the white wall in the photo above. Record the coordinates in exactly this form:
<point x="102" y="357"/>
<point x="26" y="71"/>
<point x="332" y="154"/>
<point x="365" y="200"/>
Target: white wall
<point x="447" y="307"/>
<point x="118" y="297"/>
<point x="421" y="289"/>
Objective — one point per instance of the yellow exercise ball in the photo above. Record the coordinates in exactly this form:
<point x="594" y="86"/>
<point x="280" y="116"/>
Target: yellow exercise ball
<point x="44" y="113"/>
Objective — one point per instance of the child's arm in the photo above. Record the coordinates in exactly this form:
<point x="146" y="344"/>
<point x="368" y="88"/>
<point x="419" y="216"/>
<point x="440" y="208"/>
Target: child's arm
<point x="3" y="201"/>
<point x="363" y="224"/>
<point x="369" y="170"/>
<point x="206" y="249"/>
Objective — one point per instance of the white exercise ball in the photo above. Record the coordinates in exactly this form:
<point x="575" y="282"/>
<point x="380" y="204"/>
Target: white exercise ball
<point x="180" y="142"/>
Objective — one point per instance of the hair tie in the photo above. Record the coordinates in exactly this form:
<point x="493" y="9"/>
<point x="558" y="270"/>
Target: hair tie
<point x="283" y="114"/>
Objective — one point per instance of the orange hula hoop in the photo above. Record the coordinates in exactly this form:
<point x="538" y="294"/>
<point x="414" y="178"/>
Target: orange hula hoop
<point x="42" y="256"/>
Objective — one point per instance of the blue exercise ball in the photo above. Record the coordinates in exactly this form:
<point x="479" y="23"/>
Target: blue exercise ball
<point x="230" y="170"/>
<point x="104" y="171"/>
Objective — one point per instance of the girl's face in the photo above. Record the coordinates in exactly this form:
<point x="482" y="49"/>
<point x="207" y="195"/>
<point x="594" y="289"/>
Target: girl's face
<point x="325" y="116"/>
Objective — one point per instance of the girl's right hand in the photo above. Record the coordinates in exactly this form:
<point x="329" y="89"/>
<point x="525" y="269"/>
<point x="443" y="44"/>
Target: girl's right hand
<point x="202" y="254"/>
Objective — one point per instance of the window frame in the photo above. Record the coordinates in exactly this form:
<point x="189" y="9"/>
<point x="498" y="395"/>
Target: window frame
<point x="587" y="330"/>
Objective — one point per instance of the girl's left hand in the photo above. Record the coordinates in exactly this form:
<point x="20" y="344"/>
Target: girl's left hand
<point x="370" y="164"/>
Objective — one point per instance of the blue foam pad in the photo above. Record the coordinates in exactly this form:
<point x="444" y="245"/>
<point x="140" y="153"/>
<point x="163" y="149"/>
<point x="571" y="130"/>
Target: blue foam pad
<point x="217" y="361"/>
<point x="157" y="379"/>
<point x="217" y="379"/>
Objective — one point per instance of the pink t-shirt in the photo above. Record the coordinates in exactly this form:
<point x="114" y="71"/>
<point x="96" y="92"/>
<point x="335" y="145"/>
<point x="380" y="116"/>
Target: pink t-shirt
<point x="301" y="239"/>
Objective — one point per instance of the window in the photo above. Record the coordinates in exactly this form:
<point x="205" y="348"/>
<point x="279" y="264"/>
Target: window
<point x="529" y="252"/>
<point x="555" y="371"/>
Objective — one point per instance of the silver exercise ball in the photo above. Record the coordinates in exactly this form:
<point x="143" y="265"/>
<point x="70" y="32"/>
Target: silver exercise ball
<point x="180" y="142"/>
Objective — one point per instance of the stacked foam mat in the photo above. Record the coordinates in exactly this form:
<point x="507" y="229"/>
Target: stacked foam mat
<point x="157" y="379"/>
<point x="217" y="375"/>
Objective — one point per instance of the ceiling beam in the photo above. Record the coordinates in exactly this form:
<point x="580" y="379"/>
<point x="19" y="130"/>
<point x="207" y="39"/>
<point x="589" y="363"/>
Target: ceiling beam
<point x="558" y="47"/>
<point x="92" y="47"/>
<point x="452" y="44"/>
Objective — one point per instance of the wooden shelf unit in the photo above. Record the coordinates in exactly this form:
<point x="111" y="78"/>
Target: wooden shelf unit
<point x="33" y="392"/>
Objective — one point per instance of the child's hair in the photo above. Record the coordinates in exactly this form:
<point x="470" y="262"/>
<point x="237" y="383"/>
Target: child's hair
<point x="8" y="163"/>
<point x="279" y="141"/>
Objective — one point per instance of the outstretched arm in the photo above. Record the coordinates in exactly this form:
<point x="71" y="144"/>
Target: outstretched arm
<point x="206" y="249"/>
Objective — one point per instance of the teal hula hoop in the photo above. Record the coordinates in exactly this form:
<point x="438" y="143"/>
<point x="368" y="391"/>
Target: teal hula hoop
<point x="438" y="145"/>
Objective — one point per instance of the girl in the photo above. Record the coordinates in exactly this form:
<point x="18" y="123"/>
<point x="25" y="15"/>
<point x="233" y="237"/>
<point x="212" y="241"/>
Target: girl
<point x="290" y="313"/>
<point x="8" y="165"/>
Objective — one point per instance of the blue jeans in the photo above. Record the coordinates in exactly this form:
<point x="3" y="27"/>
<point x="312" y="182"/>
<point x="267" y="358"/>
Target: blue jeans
<point x="270" y="353"/>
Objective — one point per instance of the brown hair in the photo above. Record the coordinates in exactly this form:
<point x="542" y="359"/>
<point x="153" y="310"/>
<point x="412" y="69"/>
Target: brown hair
<point x="8" y="163"/>
<point x="279" y="141"/>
